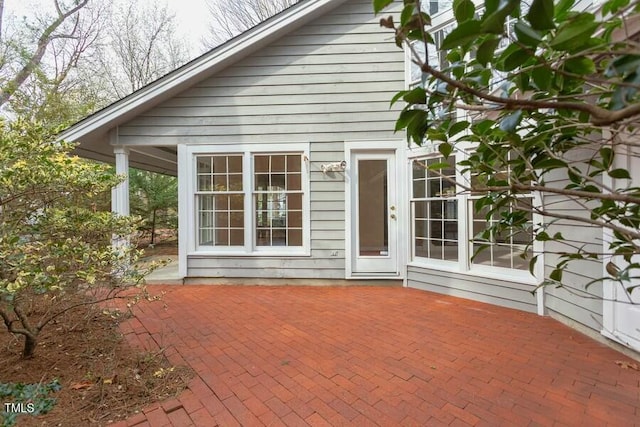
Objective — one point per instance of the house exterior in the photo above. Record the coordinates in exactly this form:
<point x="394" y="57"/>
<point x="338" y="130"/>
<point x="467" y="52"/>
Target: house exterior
<point x="289" y="170"/>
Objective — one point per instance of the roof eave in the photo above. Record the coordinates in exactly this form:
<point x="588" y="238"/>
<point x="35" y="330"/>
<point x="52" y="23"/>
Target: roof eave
<point x="197" y="70"/>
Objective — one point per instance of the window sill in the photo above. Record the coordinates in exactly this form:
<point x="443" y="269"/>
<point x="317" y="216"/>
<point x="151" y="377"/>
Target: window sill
<point x="242" y="253"/>
<point x="514" y="276"/>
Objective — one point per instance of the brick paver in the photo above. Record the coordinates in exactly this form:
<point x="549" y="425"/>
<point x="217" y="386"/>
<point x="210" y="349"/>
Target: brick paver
<point x="316" y="356"/>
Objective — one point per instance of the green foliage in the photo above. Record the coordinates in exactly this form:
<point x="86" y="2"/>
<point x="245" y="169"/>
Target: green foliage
<point x="561" y="116"/>
<point x="154" y="197"/>
<point x="34" y="399"/>
<point x="54" y="240"/>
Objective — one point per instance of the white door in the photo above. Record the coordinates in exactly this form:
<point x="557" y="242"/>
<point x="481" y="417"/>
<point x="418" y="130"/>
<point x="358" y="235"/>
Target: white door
<point x="621" y="308"/>
<point x="374" y="221"/>
<point x="626" y="316"/>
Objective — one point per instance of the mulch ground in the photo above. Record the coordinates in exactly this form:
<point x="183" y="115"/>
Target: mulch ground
<point x="103" y="378"/>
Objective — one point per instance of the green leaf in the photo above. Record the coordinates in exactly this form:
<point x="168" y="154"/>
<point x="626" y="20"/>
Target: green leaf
<point x="527" y="35"/>
<point x="512" y="57"/>
<point x="574" y="178"/>
<point x="482" y="127"/>
<point x="540" y="15"/>
<point x="407" y="13"/>
<point x="445" y="149"/>
<point x="416" y="96"/>
<point x="612" y="6"/>
<point x="619" y="174"/>
<point x="463" y="10"/>
<point x="407" y="116"/>
<point x="580" y="65"/>
<point x="623" y="65"/>
<point x="416" y="124"/>
<point x="378" y="5"/>
<point x="491" y="5"/>
<point x="607" y="156"/>
<point x="510" y="123"/>
<point x="556" y="275"/>
<point x="549" y="164"/>
<point x="435" y="134"/>
<point x="398" y="96"/>
<point x="462" y="34"/>
<point x="532" y="264"/>
<point x="494" y="22"/>
<point x="563" y="8"/>
<point x="575" y="34"/>
<point x="522" y="82"/>
<point x="543" y="236"/>
<point x="439" y="166"/>
<point x="486" y="51"/>
<point x="458" y="127"/>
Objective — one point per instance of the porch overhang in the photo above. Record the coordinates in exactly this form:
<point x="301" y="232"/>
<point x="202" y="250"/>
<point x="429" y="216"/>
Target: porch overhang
<point x="161" y="159"/>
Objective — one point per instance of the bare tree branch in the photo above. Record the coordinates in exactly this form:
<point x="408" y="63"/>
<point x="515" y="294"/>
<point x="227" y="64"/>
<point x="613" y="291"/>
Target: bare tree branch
<point x="230" y="18"/>
<point x="36" y="58"/>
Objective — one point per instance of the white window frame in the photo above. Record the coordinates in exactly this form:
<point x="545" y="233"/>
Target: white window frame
<point x="247" y="151"/>
<point x="464" y="265"/>
<point x="455" y="198"/>
<point x="213" y="192"/>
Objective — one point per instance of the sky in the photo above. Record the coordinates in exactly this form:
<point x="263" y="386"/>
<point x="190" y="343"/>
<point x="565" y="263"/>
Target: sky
<point x="191" y="16"/>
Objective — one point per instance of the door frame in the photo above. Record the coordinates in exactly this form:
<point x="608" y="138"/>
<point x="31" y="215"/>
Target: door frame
<point x="395" y="148"/>
<point x="615" y="299"/>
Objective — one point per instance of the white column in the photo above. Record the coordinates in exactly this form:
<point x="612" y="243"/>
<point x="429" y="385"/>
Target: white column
<point x="186" y="228"/>
<point x="120" y="196"/>
<point x="120" y="193"/>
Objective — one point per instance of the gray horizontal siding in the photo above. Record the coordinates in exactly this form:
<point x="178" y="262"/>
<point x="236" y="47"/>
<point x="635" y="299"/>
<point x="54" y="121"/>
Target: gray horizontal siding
<point x="574" y="300"/>
<point x="503" y="293"/>
<point x="330" y="80"/>
<point x="314" y="267"/>
<point x="325" y="83"/>
<point x="286" y="108"/>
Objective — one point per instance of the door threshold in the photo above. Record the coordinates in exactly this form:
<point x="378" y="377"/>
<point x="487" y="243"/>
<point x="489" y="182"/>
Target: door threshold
<point x="373" y="276"/>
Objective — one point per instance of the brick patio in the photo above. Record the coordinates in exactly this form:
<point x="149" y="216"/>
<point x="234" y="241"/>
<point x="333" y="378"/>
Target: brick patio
<point x="369" y="356"/>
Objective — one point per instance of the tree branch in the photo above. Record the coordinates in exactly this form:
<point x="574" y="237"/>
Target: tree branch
<point x="599" y="116"/>
<point x="605" y="224"/>
<point x="34" y="61"/>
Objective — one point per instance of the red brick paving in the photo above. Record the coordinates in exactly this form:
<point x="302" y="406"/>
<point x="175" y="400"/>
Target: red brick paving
<point x="368" y="356"/>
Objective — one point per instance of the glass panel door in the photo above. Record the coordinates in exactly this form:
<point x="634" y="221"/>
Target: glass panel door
<point x="374" y="215"/>
<point x="373" y="227"/>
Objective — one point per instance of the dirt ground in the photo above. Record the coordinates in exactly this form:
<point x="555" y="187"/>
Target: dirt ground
<point x="166" y="243"/>
<point x="103" y="378"/>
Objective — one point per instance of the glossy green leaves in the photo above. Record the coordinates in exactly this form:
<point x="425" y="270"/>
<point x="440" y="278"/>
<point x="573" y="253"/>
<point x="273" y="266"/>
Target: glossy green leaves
<point x="540" y="15"/>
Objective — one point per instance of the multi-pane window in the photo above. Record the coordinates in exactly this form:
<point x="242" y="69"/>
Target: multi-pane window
<point x="503" y="248"/>
<point x="439" y="212"/>
<point x="433" y="56"/>
<point x="278" y="196"/>
<point x="220" y="200"/>
<point x="435" y="210"/>
<point x="276" y="200"/>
